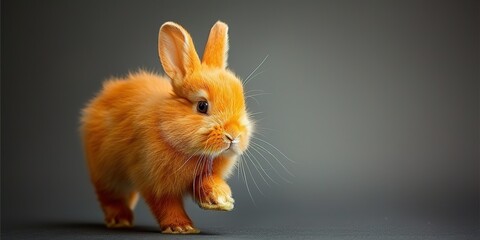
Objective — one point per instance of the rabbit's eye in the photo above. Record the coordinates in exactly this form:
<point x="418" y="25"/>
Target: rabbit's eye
<point x="202" y="106"/>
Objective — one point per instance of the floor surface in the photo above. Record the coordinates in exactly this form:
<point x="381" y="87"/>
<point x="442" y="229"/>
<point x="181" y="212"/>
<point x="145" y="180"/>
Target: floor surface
<point x="75" y="231"/>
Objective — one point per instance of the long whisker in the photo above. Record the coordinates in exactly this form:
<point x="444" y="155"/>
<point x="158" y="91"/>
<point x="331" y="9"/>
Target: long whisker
<point x="260" y="167"/>
<point x="254" y="99"/>
<point x="202" y="171"/>
<point x="254" y="76"/>
<point x="253" y="179"/>
<point x="274" y="148"/>
<point x="269" y="129"/>
<point x="202" y="156"/>
<point x="210" y="176"/>
<point x="257" y="94"/>
<point x="185" y="162"/>
<point x="259" y="120"/>
<point x="238" y="167"/>
<point x="250" y="156"/>
<point x="247" y="79"/>
<point x="269" y="163"/>
<point x="254" y="113"/>
<point x="246" y="183"/>
<point x="260" y="133"/>
<point x="195" y="176"/>
<point x="253" y="90"/>
<point x="271" y="154"/>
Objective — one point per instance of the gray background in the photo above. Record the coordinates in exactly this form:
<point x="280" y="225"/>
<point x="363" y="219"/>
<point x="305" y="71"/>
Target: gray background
<point x="377" y="102"/>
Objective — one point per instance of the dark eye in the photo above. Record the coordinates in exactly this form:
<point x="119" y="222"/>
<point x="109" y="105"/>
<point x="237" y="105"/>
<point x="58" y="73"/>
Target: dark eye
<point x="202" y="107"/>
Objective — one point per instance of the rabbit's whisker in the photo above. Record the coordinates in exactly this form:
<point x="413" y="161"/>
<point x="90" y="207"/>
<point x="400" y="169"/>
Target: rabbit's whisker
<point x="253" y="90"/>
<point x="273" y="148"/>
<point x="253" y="179"/>
<point x="254" y="76"/>
<point x="259" y="167"/>
<point x="255" y="113"/>
<point x="275" y="157"/>
<point x="247" y="79"/>
<point x="270" y="164"/>
<point x="246" y="182"/>
<point x="261" y="133"/>
<point x="195" y="176"/>
<point x="257" y="94"/>
<point x="202" y="172"/>
<point x="185" y="162"/>
<point x="254" y="99"/>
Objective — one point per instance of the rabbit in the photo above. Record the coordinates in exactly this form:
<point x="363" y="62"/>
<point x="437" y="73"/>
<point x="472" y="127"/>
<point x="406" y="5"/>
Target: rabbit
<point x="165" y="137"/>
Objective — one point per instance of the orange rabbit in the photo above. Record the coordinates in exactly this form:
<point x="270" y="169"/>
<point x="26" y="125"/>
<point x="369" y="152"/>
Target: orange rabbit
<point x="166" y="137"/>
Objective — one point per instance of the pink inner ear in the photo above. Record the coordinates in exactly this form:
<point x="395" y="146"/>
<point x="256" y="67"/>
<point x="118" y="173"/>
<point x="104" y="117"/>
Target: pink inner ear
<point x="177" y="53"/>
<point x="170" y="59"/>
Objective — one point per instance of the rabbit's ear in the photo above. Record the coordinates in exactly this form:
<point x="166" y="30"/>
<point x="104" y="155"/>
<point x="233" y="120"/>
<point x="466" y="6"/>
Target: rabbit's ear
<point x="216" y="50"/>
<point x="177" y="52"/>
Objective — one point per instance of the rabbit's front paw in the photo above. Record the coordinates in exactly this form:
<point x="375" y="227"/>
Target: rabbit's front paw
<point x="217" y="202"/>
<point x="214" y="194"/>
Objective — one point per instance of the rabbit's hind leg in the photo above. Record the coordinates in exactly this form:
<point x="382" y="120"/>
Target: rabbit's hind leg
<point x="117" y="207"/>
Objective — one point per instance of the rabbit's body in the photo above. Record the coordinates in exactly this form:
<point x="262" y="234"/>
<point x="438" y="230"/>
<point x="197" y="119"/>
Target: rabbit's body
<point x="117" y="132"/>
<point x="146" y="135"/>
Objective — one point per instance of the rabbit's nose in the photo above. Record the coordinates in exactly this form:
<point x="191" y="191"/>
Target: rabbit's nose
<point x="231" y="139"/>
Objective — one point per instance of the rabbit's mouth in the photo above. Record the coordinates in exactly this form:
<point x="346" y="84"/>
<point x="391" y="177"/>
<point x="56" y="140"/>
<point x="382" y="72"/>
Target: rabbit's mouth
<point x="232" y="149"/>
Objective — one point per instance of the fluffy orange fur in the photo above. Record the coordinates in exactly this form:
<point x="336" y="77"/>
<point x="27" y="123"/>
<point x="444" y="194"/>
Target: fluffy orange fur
<point x="144" y="136"/>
